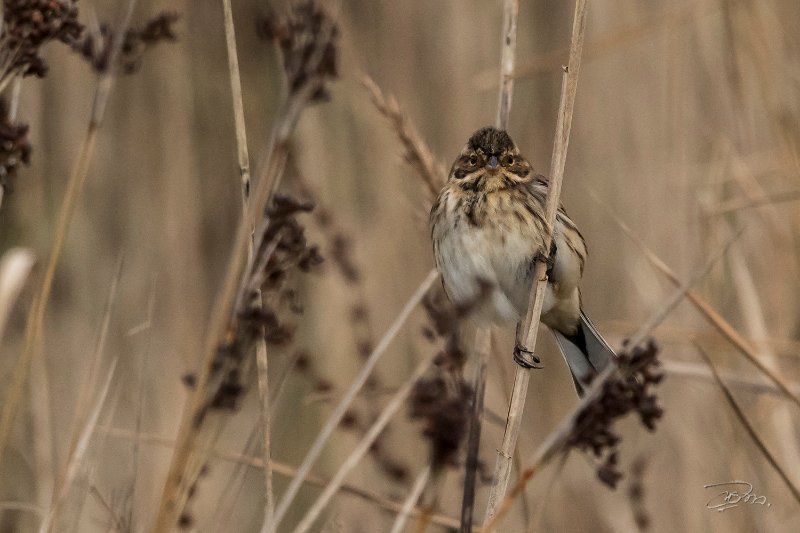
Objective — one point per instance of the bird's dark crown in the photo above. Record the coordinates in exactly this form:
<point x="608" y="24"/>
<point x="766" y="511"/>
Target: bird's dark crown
<point x="490" y="141"/>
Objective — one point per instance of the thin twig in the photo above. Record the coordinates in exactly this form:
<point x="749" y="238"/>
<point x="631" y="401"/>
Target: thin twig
<point x="285" y="470"/>
<point x="238" y="102"/>
<point x="556" y="440"/>
<point x="84" y="408"/>
<point x="336" y="417"/>
<point x="75" y="461"/>
<point x="508" y="55"/>
<point x="75" y="183"/>
<point x="262" y="362"/>
<point x="140" y="387"/>
<point x="736" y="204"/>
<point x="750" y="429"/>
<point x="529" y="327"/>
<point x="362" y="448"/>
<point x="411" y="500"/>
<point x="755" y="385"/>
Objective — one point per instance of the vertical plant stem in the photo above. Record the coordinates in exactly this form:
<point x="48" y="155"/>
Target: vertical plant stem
<point x="507" y="59"/>
<point x="238" y="102"/>
<point x="530" y="325"/>
<point x="482" y="349"/>
<point x="554" y="443"/>
<point x="262" y="362"/>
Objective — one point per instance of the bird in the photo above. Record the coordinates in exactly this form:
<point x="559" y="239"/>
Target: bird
<point x="488" y="229"/>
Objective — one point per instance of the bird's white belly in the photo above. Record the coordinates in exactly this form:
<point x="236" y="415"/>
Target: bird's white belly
<point x="500" y="256"/>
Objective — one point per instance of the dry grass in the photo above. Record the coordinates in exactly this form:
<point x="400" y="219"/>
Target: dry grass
<point x="685" y="125"/>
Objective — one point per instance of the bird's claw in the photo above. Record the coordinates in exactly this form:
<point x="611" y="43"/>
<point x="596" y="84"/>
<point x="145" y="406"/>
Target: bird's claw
<point x="526" y="358"/>
<point x="549" y="260"/>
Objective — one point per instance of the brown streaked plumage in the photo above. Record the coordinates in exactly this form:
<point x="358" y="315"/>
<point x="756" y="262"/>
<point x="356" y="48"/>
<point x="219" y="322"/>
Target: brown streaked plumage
<point x="488" y="223"/>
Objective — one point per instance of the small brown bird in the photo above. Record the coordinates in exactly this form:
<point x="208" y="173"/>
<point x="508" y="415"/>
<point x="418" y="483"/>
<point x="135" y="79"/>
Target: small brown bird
<point x="488" y="225"/>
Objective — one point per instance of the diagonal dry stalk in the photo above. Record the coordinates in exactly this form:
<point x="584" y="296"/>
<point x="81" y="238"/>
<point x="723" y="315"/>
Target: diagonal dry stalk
<point x="75" y="184"/>
<point x="723" y="327"/>
<point x="416" y="152"/>
<point x="529" y="327"/>
<point x="411" y="500"/>
<point x="394" y="405"/>
<point x="262" y="362"/>
<point x="341" y="408"/>
<point x="740" y="381"/>
<point x="554" y="443"/>
<point x="752" y="433"/>
<point x="77" y="455"/>
<point x="83" y="410"/>
<point x="281" y="469"/>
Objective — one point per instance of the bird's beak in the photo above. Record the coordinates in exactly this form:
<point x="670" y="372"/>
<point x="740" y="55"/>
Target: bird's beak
<point x="492" y="164"/>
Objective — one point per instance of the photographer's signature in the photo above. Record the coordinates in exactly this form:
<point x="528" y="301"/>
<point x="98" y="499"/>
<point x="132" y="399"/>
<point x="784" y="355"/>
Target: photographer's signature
<point x="733" y="494"/>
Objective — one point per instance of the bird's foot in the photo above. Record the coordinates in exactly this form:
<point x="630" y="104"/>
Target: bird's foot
<point x="526" y="358"/>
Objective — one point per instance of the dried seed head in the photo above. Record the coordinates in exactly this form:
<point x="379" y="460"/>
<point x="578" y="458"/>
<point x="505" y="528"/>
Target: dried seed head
<point x="29" y="24"/>
<point x="444" y="408"/>
<point x="14" y="147"/>
<point x="629" y="391"/>
<point x="97" y="48"/>
<point x="307" y="40"/>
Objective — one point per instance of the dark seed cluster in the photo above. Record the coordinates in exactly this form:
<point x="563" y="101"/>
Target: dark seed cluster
<point x="307" y="41"/>
<point x="443" y="400"/>
<point x="29" y="24"/>
<point x="96" y="48"/>
<point x="630" y="391"/>
<point x="443" y="320"/>
<point x="284" y="249"/>
<point x="14" y="147"/>
<point x="444" y="408"/>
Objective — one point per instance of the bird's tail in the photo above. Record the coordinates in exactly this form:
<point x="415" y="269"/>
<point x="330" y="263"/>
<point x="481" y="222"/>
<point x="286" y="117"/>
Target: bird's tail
<point x="586" y="352"/>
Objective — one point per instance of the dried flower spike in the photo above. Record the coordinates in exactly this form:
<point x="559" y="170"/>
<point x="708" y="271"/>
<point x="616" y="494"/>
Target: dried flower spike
<point x="307" y="41"/>
<point x="29" y="24"/>
<point x="97" y="48"/>
<point x="627" y="392"/>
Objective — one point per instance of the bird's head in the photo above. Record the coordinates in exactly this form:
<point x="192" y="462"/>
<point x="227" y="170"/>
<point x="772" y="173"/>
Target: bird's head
<point x="490" y="161"/>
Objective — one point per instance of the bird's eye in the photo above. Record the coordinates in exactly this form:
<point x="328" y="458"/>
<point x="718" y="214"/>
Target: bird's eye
<point x="473" y="160"/>
<point x="509" y="160"/>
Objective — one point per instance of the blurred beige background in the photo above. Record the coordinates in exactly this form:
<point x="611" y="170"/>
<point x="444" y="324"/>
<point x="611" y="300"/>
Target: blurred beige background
<point x="687" y="111"/>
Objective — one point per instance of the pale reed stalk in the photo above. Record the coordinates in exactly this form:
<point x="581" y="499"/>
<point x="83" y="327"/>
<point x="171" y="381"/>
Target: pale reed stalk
<point x="529" y="327"/>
